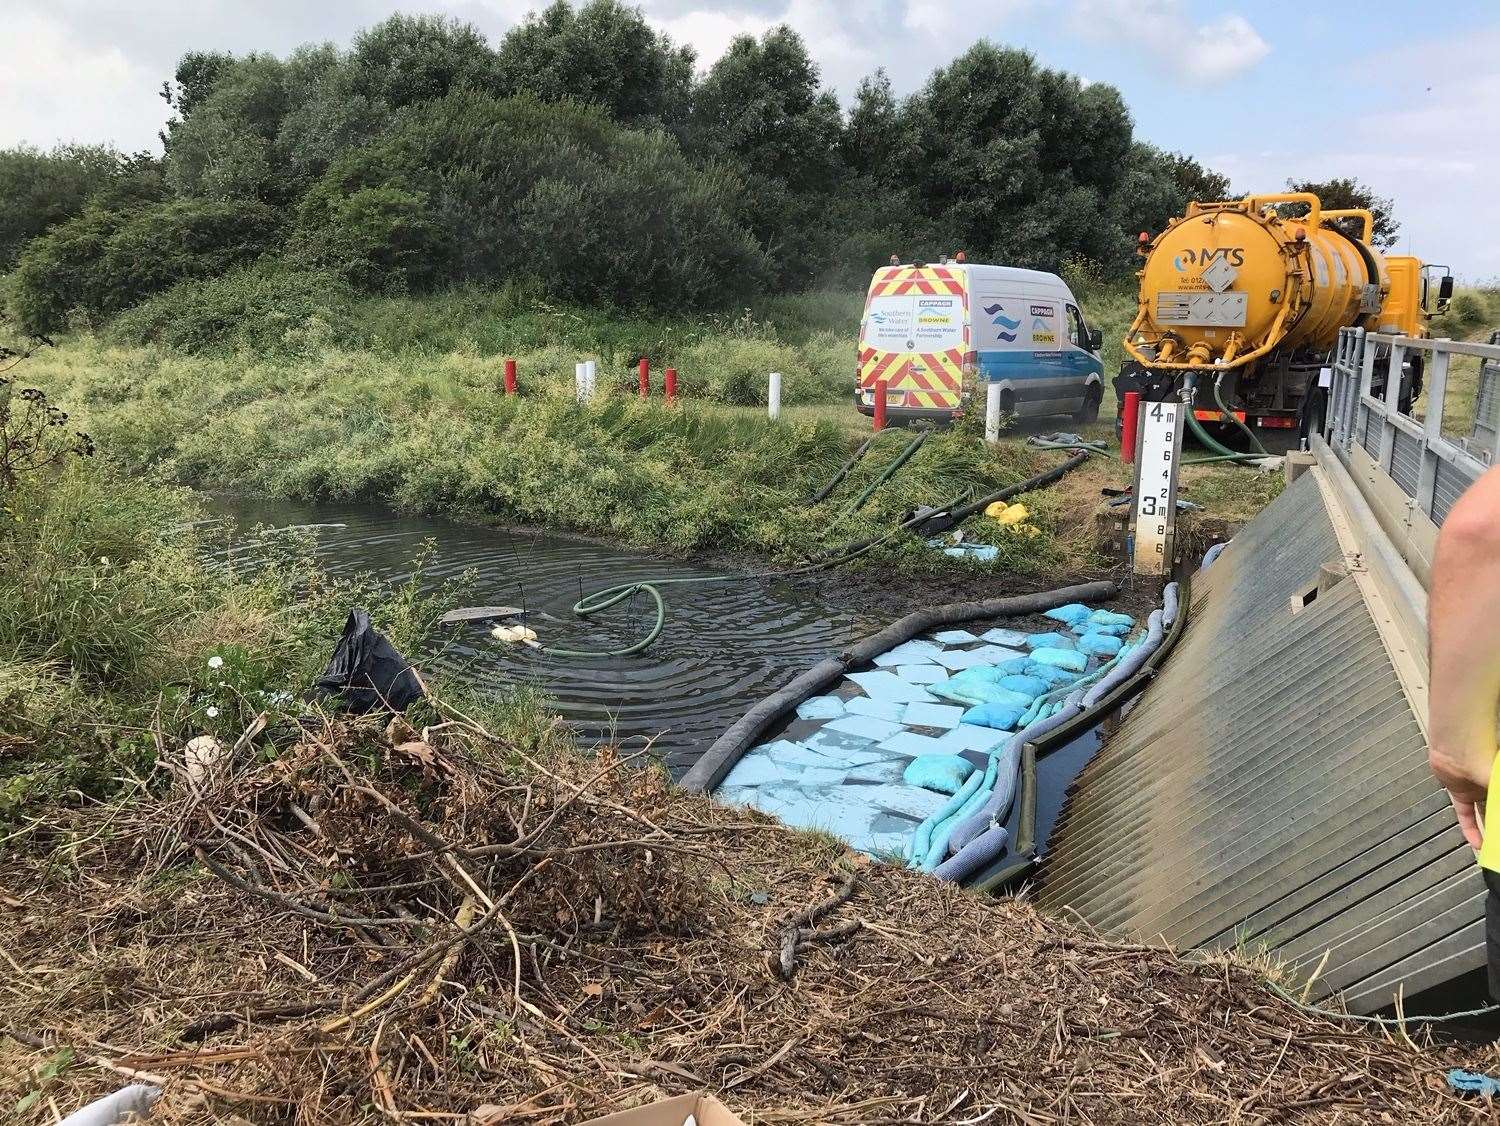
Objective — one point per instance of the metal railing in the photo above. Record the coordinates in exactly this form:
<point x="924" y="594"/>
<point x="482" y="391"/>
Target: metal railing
<point x="1430" y="468"/>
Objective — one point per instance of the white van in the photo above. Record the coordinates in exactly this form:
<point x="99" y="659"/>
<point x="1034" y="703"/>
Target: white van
<point x="933" y="332"/>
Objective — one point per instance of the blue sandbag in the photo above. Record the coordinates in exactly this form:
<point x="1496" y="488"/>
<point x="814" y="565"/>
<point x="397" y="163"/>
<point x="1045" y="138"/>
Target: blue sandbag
<point x="1069" y="659"/>
<point x="1110" y="618"/>
<point x="1048" y="641"/>
<point x="1000" y="717"/>
<point x="1099" y="644"/>
<point x="921" y="841"/>
<point x="1013" y="667"/>
<point x="937" y="847"/>
<point x="1032" y="686"/>
<point x="944" y="773"/>
<point x="977" y="685"/>
<point x="1054" y="676"/>
<point x="1071" y="614"/>
<point x="1115" y="630"/>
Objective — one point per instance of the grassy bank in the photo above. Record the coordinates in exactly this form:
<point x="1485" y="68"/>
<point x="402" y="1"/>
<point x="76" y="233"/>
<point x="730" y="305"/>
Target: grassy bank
<point x="118" y="638"/>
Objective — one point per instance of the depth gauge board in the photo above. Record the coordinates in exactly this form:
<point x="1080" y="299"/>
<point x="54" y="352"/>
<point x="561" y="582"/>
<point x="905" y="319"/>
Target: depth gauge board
<point x="1159" y="452"/>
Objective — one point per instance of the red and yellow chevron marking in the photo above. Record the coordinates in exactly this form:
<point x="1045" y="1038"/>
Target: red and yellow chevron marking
<point x="929" y="379"/>
<point x="928" y="280"/>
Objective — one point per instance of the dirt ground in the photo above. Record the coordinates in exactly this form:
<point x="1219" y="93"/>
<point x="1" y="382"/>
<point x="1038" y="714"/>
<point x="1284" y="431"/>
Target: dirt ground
<point x="380" y="924"/>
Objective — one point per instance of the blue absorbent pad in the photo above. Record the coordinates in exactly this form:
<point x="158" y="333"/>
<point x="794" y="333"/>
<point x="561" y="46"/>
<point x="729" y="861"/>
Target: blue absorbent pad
<point x="820" y="707"/>
<point x="1010" y="638"/>
<point x="943" y="773"/>
<point x="972" y="737"/>
<point x="1049" y="641"/>
<point x="1000" y="717"/>
<point x="863" y="727"/>
<point x="1110" y="618"/>
<point x="973" y="552"/>
<point x="1111" y="628"/>
<point x="1013" y="666"/>
<point x="1099" y="644"/>
<point x="882" y="685"/>
<point x="911" y="744"/>
<point x="954" y="637"/>
<point x="876" y="709"/>
<point x="921" y="674"/>
<point x="1069" y="659"/>
<point x="957" y="659"/>
<point x="943" y="716"/>
<point x="1071" y="614"/>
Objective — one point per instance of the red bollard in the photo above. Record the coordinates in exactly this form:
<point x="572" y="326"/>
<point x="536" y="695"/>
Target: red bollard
<point x="643" y="378"/>
<point x="510" y="376"/>
<point x="1128" y="425"/>
<point x="880" y="389"/>
<point x="670" y="375"/>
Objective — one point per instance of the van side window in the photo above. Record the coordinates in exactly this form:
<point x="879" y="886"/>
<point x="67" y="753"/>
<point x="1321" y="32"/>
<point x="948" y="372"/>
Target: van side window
<point x="1078" y="333"/>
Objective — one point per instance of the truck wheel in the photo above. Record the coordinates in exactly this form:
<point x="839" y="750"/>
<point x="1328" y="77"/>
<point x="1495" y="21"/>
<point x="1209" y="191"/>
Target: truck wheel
<point x="1089" y="412"/>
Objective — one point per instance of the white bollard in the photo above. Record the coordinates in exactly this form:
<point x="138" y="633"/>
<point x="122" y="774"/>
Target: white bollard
<point x="591" y="377"/>
<point x="580" y="383"/>
<point x="773" y="396"/>
<point x="992" y="412"/>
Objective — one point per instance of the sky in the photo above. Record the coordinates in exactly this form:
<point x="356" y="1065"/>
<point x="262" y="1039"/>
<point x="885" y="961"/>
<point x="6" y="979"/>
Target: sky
<point x="1402" y="95"/>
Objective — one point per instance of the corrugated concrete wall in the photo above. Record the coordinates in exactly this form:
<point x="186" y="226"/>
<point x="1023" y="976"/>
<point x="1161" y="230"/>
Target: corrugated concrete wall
<point x="1270" y="789"/>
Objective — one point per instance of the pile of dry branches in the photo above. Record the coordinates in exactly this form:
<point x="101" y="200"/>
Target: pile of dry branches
<point x="382" y="924"/>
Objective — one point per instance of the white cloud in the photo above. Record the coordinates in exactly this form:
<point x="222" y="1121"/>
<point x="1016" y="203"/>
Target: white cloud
<point x="1423" y="148"/>
<point x="54" y="89"/>
<point x="1165" y="30"/>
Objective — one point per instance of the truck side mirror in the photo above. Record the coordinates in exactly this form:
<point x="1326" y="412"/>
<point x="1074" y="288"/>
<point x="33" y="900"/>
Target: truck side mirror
<point x="1096" y="340"/>
<point x="1445" y="290"/>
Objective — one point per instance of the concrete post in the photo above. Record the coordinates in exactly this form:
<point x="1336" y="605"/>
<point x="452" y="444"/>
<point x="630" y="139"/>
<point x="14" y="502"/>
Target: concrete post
<point x="992" y="412"/>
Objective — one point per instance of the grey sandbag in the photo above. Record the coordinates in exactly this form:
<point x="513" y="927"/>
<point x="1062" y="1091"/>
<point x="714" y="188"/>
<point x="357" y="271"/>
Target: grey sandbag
<point x="366" y="672"/>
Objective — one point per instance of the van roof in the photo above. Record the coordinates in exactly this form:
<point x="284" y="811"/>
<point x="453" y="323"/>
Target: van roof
<point x="981" y="272"/>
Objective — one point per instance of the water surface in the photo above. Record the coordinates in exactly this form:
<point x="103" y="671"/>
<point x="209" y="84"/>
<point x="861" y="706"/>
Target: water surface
<point x="726" y="645"/>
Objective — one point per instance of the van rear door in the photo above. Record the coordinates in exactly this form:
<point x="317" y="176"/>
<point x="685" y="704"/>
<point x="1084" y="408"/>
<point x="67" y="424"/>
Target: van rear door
<point x="914" y="335"/>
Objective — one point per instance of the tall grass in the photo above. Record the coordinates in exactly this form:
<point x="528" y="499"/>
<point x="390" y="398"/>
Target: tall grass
<point x="117" y="637"/>
<point x="433" y="433"/>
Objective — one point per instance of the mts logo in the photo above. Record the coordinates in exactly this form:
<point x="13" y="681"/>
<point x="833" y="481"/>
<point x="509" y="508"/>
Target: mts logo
<point x="1234" y="255"/>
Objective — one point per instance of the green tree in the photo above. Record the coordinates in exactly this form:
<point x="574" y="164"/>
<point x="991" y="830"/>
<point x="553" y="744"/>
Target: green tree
<point x="1158" y="186"/>
<point x="1343" y="192"/>
<point x="40" y="189"/>
<point x="105" y="261"/>
<point x="1020" y="164"/>
<point x="604" y="53"/>
<point x="409" y="59"/>
<point x="517" y="187"/>
<point x="760" y="108"/>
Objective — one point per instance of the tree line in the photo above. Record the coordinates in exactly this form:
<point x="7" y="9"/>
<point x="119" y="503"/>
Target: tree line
<point x="585" y="151"/>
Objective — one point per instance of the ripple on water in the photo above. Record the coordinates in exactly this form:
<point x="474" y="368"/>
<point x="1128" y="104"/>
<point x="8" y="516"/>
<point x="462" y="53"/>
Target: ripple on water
<point x="726" y="645"/>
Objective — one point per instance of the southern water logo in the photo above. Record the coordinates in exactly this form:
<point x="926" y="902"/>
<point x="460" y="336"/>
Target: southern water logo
<point x="998" y="313"/>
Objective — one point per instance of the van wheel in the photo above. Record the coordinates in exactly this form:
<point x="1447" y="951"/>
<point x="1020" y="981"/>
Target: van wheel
<point x="1089" y="412"/>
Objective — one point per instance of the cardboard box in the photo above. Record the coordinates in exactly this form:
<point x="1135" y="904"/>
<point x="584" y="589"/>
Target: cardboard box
<point x="707" y="1110"/>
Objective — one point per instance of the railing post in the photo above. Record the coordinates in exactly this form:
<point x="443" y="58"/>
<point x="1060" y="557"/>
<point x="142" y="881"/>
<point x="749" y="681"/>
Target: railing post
<point x="669" y="382"/>
<point x="1432" y="424"/>
<point x="643" y="378"/>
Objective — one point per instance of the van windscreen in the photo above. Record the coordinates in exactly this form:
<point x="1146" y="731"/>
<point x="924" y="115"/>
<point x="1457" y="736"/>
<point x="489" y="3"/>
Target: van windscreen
<point x="914" y="322"/>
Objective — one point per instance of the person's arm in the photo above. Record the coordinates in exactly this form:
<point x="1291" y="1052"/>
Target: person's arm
<point x="1463" y="616"/>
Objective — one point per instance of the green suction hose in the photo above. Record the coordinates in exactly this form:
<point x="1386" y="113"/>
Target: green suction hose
<point x="890" y="471"/>
<point x="1255" y="443"/>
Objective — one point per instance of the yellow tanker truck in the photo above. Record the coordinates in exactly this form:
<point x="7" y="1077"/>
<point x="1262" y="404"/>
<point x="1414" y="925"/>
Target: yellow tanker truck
<point x="1241" y="304"/>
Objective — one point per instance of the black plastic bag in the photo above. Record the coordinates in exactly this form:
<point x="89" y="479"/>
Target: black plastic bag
<point x="366" y="672"/>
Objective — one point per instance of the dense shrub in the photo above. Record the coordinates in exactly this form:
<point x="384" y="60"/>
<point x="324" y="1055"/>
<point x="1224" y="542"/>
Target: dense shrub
<point x="41" y="189"/>
<point x="265" y="308"/>
<point x="595" y="211"/>
<point x="105" y="261"/>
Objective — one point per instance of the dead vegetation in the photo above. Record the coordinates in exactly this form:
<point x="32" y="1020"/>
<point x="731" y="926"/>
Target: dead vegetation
<point x="387" y="925"/>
